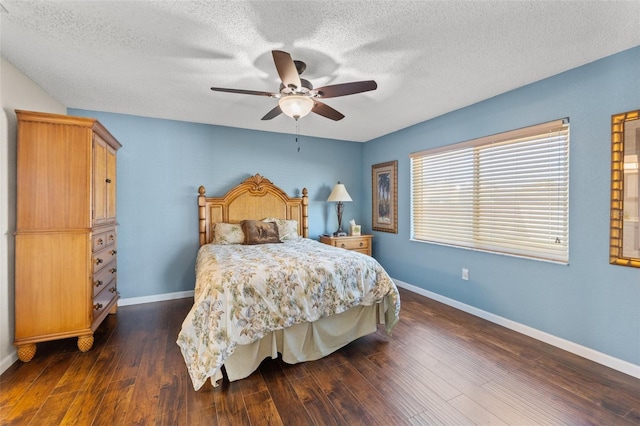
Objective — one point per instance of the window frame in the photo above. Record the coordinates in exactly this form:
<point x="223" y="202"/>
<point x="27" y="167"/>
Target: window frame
<point x="454" y="200"/>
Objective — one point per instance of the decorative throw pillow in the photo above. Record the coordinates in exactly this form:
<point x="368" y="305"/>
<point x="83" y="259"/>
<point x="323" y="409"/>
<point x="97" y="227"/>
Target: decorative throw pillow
<point x="287" y="228"/>
<point x="227" y="233"/>
<point x="259" y="232"/>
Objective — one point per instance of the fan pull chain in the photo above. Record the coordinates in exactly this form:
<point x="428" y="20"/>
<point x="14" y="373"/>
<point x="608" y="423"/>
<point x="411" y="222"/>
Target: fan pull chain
<point x="297" y="134"/>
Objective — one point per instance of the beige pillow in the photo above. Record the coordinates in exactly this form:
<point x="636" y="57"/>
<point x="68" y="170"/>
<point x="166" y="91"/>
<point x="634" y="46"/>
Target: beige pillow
<point x="287" y="228"/>
<point x="227" y="233"/>
<point x="259" y="232"/>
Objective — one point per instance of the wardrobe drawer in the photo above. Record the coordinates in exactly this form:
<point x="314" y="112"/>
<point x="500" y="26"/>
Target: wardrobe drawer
<point x="111" y="236"/>
<point x="102" y="300"/>
<point x="103" y="239"/>
<point x="103" y="258"/>
<point x="103" y="278"/>
<point x="99" y="241"/>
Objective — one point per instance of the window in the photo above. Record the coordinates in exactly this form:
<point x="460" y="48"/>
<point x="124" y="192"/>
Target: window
<point x="506" y="193"/>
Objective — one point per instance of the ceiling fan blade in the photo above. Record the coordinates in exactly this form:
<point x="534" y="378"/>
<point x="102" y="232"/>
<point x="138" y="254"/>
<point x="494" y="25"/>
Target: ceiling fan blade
<point x="242" y="92"/>
<point x="286" y="69"/>
<point x="326" y="111"/>
<point x="273" y="113"/>
<point x="344" y="89"/>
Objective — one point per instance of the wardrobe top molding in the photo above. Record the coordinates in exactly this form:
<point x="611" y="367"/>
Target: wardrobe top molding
<point x="89" y="123"/>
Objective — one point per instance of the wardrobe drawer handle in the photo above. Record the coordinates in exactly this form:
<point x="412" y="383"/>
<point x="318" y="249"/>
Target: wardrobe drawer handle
<point x="97" y="306"/>
<point x="113" y="252"/>
<point x="113" y="270"/>
<point x="98" y="261"/>
<point x="113" y="290"/>
<point x="99" y="283"/>
<point x="108" y="180"/>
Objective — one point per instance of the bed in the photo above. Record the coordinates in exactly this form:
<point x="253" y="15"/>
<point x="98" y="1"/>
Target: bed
<point x="258" y="295"/>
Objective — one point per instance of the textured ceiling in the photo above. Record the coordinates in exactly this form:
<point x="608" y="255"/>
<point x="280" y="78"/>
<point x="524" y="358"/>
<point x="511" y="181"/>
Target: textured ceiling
<point x="159" y="58"/>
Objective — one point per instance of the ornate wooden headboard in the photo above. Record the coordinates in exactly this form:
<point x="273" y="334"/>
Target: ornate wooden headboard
<point x="256" y="198"/>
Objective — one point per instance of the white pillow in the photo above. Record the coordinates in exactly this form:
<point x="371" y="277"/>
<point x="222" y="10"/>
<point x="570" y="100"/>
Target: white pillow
<point x="287" y="228"/>
<point x="227" y="233"/>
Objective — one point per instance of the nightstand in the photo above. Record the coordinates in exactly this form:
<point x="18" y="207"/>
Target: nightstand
<point x="361" y="243"/>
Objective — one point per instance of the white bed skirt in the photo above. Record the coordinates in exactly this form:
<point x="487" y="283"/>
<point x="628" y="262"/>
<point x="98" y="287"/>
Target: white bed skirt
<point x="305" y="341"/>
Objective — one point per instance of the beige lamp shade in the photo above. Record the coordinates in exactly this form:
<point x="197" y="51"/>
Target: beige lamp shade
<point x="339" y="193"/>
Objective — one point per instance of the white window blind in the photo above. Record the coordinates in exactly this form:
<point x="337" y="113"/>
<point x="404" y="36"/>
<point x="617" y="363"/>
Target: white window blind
<point x="506" y="193"/>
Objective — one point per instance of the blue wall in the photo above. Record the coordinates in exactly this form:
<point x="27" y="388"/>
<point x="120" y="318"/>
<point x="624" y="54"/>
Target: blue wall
<point x="161" y="165"/>
<point x="589" y="302"/>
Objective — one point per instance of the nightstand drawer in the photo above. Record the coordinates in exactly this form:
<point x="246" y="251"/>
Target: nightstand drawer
<point x="361" y="243"/>
<point x="353" y="243"/>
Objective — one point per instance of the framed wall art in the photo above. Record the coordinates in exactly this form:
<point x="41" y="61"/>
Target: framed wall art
<point x="384" y="190"/>
<point x="624" y="242"/>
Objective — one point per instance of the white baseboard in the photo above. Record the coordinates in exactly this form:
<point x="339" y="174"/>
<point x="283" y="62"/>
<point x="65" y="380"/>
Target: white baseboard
<point x="8" y="361"/>
<point x="588" y="353"/>
<point x="155" y="298"/>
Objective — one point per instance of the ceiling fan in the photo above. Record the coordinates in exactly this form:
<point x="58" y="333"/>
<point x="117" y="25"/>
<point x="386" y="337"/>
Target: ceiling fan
<point x="297" y="97"/>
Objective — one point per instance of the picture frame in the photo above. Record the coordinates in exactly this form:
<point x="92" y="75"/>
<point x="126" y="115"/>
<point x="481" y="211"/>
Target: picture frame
<point x="384" y="190"/>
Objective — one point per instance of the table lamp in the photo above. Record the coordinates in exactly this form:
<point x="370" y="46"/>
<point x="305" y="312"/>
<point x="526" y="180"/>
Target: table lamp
<point x="339" y="195"/>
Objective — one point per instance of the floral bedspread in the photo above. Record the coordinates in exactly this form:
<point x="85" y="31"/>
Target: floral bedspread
<point x="243" y="292"/>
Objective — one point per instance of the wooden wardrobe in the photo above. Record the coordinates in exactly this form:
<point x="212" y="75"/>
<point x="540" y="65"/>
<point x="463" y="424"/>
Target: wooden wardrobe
<point x="65" y="276"/>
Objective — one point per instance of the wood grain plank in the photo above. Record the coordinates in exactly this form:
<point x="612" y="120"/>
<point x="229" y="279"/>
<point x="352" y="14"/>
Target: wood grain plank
<point x="205" y="417"/>
<point x="84" y="407"/>
<point x="377" y="404"/>
<point x="399" y="387"/>
<point x="345" y="402"/>
<point x="54" y="409"/>
<point x="143" y="407"/>
<point x="37" y="393"/>
<point x="261" y="410"/>
<point x="441" y="366"/>
<point x="76" y="375"/>
<point x="315" y="402"/>
<point x="284" y="397"/>
<point x="16" y="380"/>
<point x="475" y="412"/>
<point x="229" y="405"/>
<point x="114" y="405"/>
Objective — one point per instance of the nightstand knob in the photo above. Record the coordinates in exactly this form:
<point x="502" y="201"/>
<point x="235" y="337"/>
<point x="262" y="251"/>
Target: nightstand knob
<point x="361" y="243"/>
<point x="342" y="245"/>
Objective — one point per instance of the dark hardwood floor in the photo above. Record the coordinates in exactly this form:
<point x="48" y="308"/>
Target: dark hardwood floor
<point x="440" y="367"/>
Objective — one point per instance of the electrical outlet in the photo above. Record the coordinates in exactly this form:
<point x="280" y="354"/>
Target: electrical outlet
<point x="465" y="274"/>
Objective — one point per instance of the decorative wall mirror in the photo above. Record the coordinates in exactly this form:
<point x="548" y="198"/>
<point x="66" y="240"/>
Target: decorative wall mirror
<point x="625" y="181"/>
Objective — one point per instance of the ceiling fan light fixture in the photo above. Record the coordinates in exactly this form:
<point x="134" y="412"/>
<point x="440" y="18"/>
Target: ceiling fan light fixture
<point x="296" y="106"/>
